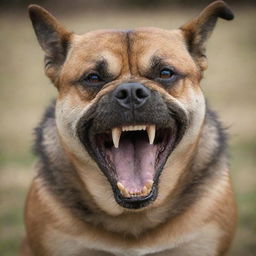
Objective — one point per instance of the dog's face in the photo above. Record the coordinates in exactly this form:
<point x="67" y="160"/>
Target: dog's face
<point x="130" y="109"/>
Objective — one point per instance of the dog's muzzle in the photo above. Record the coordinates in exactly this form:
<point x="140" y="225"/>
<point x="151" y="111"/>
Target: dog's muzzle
<point x="130" y="132"/>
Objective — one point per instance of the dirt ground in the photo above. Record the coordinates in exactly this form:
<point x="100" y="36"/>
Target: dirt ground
<point x="229" y="85"/>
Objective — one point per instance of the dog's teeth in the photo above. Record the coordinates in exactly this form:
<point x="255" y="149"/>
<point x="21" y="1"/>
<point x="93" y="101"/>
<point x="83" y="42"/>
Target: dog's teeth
<point x="116" y="133"/>
<point x="151" y="129"/>
<point x="144" y="191"/>
<point x="122" y="189"/>
<point x="126" y="193"/>
<point x="149" y="184"/>
<point x="135" y="193"/>
<point x="133" y="128"/>
<point x="120" y="186"/>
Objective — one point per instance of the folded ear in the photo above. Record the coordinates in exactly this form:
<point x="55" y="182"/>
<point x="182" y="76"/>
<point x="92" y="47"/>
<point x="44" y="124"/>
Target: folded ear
<point x="198" y="30"/>
<point x="52" y="37"/>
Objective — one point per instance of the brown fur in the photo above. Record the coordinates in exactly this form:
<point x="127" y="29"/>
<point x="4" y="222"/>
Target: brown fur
<point x="194" y="212"/>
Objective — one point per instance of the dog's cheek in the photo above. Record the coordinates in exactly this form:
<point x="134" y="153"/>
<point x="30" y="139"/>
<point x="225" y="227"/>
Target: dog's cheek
<point x="67" y="116"/>
<point x="190" y="97"/>
<point x="194" y="102"/>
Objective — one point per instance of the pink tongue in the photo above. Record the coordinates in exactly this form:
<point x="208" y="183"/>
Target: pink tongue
<point x="134" y="163"/>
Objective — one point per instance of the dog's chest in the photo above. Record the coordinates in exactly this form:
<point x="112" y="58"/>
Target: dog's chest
<point x="64" y="244"/>
<point x="203" y="242"/>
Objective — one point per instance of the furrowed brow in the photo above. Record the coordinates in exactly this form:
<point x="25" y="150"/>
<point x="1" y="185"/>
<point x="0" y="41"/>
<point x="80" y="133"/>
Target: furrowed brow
<point x="157" y="61"/>
<point x="101" y="66"/>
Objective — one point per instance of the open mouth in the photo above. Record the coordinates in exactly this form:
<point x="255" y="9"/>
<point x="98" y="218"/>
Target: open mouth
<point x="132" y="147"/>
<point x="133" y="157"/>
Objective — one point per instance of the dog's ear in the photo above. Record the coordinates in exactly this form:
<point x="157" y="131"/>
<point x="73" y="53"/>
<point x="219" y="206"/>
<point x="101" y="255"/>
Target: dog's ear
<point x="198" y="30"/>
<point x="52" y="37"/>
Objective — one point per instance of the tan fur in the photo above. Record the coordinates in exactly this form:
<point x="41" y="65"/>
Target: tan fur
<point x="205" y="228"/>
<point x="59" y="227"/>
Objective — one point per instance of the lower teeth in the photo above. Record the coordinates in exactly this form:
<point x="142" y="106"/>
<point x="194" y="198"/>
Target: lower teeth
<point x="145" y="191"/>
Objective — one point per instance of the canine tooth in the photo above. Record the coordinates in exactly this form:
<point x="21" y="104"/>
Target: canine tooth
<point x="149" y="184"/>
<point x="145" y="190"/>
<point x="120" y="186"/>
<point x="126" y="193"/>
<point x="151" y="129"/>
<point x="122" y="189"/>
<point x="116" y="133"/>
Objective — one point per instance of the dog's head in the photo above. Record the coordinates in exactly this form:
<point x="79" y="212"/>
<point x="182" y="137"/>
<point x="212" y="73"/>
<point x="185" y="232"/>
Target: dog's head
<point x="130" y="109"/>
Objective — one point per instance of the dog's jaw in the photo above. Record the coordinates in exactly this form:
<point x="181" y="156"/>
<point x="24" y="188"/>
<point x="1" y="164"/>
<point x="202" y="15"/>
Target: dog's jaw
<point x="133" y="169"/>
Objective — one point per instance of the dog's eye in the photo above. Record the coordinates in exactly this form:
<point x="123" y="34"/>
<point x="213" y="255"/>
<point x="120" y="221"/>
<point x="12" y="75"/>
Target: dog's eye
<point x="93" y="78"/>
<point x="166" y="73"/>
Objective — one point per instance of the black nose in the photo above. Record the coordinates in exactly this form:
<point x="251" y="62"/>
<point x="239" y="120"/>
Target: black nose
<point x="131" y="95"/>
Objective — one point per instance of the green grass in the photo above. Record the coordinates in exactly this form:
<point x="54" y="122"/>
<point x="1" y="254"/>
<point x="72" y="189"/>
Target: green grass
<point x="11" y="219"/>
<point x="243" y="164"/>
<point x="24" y="159"/>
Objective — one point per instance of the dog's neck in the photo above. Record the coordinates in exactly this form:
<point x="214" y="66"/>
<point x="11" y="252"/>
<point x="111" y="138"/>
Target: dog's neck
<point x="58" y="171"/>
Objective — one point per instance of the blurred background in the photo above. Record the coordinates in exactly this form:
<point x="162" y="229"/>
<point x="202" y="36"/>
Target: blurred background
<point x="229" y="85"/>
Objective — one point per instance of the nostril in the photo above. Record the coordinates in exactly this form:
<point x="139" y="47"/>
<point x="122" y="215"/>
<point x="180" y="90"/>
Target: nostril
<point x="122" y="94"/>
<point x="131" y="95"/>
<point x="141" y="94"/>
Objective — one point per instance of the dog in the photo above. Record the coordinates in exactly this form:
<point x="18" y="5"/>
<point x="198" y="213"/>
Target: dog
<point x="132" y="161"/>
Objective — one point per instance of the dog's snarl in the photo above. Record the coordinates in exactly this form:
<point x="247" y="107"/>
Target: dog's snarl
<point x="131" y="144"/>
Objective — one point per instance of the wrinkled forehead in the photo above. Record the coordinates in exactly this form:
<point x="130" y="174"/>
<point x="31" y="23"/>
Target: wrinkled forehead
<point x="169" y="46"/>
<point x="138" y="47"/>
<point x="93" y="45"/>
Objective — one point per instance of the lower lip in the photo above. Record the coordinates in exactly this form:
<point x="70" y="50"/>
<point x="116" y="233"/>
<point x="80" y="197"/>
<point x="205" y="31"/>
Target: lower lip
<point x="136" y="202"/>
